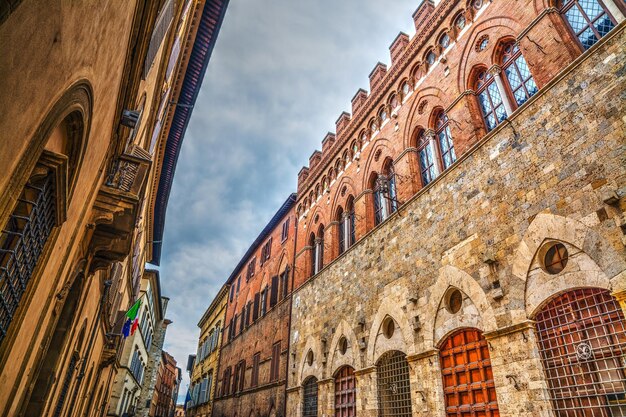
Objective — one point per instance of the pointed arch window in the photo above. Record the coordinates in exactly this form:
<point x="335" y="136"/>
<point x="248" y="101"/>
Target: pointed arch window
<point x="346" y="226"/>
<point x="518" y="74"/>
<point x="444" y="140"/>
<point x="490" y="100"/>
<point x="428" y="168"/>
<point x="317" y="250"/>
<point x="588" y="19"/>
<point x="385" y="201"/>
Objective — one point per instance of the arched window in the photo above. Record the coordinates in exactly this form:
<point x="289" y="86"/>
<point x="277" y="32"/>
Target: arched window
<point x="345" y="392"/>
<point x="490" y="100"/>
<point x="444" y="41"/>
<point x="346" y="226"/>
<point x="406" y="89"/>
<point x="431" y="58"/>
<point x="581" y="336"/>
<point x="468" y="383"/>
<point x="317" y="250"/>
<point x="309" y="401"/>
<point x="588" y="19"/>
<point x="385" y="201"/>
<point x="444" y="140"/>
<point x="459" y="22"/>
<point x="427" y="163"/>
<point x="518" y="74"/>
<point x="382" y="114"/>
<point x="394" y="388"/>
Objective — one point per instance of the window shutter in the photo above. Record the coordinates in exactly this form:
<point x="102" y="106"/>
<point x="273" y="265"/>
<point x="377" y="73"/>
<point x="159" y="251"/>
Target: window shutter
<point x="274" y="291"/>
<point x="255" y="314"/>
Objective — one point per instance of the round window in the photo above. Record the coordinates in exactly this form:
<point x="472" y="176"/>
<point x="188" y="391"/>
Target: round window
<point x="309" y="358"/>
<point x="343" y="345"/>
<point x="389" y="327"/>
<point x="455" y="301"/>
<point x="555" y="259"/>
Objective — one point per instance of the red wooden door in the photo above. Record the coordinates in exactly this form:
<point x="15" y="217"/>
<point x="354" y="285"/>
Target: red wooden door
<point x="582" y="341"/>
<point x="345" y="393"/>
<point x="467" y="377"/>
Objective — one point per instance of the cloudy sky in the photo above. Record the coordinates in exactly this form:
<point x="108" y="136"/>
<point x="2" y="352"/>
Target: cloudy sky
<point x="281" y="73"/>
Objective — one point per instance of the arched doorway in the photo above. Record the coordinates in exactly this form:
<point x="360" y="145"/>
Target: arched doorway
<point x="582" y="341"/>
<point x="468" y="384"/>
<point x="345" y="392"/>
<point x="394" y="388"/>
<point x="309" y="402"/>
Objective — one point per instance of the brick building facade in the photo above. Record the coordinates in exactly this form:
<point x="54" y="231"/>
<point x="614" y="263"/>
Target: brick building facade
<point x="460" y="246"/>
<point x="253" y="357"/>
<point x="460" y="239"/>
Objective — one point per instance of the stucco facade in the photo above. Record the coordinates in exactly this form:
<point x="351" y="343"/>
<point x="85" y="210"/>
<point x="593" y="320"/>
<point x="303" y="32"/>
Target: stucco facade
<point x="206" y="366"/>
<point x="464" y="254"/>
<point x="86" y="133"/>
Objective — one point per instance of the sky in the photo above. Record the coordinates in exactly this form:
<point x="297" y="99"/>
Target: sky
<point x="281" y="73"/>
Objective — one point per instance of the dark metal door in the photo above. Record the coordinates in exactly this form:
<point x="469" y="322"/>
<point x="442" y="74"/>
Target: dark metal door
<point x="394" y="391"/>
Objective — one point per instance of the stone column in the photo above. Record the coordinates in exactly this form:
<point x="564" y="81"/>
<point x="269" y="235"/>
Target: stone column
<point x="496" y="71"/>
<point x="426" y="384"/>
<point x="520" y="382"/>
<point x="294" y="402"/>
<point x="366" y="392"/>
<point x="326" y="397"/>
<point x="612" y="7"/>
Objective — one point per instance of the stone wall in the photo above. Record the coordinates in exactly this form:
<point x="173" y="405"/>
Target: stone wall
<point x="554" y="171"/>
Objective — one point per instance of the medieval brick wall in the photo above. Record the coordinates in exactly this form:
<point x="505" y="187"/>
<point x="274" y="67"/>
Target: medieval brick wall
<point x="266" y="329"/>
<point x="554" y="171"/>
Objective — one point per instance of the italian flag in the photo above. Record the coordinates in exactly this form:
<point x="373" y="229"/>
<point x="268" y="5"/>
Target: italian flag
<point x="132" y="321"/>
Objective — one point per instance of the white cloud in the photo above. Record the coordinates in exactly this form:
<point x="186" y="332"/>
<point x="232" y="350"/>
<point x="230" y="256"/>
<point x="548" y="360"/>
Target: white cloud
<point x="281" y="73"/>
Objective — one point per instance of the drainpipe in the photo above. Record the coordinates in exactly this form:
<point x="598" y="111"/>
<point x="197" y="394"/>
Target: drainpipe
<point x="293" y="275"/>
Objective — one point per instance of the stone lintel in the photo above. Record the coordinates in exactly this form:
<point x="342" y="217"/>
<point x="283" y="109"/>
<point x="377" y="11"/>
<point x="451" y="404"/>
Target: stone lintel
<point x="422" y="355"/>
<point x="514" y="328"/>
<point x="365" y="371"/>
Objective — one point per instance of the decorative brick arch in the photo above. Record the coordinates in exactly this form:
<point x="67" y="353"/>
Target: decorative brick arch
<point x="470" y="58"/>
<point x="404" y="343"/>
<point x="450" y="276"/>
<point x="371" y="165"/>
<point x="337" y="199"/>
<point x="352" y="356"/>
<point x="314" y="370"/>
<point x="310" y="225"/>
<point x="431" y="96"/>
<point x="607" y="269"/>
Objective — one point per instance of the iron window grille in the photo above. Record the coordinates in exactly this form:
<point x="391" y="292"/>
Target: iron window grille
<point x="394" y="391"/>
<point x="67" y="381"/>
<point x="22" y="242"/>
<point x="582" y="341"/>
<point x="309" y="403"/>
